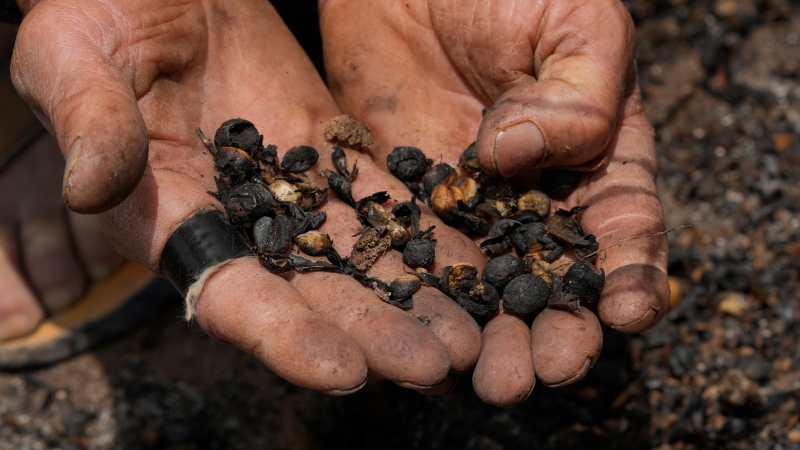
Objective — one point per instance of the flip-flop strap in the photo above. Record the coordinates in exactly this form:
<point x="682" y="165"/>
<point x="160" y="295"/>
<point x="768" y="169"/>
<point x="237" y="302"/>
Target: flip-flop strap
<point x="18" y="125"/>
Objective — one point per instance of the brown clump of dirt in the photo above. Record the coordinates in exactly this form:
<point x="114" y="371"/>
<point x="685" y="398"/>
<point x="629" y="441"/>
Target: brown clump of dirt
<point x="348" y="132"/>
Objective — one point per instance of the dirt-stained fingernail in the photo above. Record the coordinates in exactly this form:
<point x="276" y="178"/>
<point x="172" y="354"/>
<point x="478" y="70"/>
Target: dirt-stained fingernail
<point x="518" y="147"/>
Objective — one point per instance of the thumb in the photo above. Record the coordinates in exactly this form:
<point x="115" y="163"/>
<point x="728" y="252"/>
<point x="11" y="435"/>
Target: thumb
<point x="80" y="96"/>
<point x="563" y="108"/>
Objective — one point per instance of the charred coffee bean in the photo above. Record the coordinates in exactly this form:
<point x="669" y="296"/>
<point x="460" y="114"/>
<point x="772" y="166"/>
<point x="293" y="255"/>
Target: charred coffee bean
<point x="488" y="212"/>
<point x="273" y="236"/>
<point x="501" y="270"/>
<point x="341" y="187"/>
<point x="526" y="216"/>
<point x="584" y="281"/>
<point x="419" y="253"/>
<point x="399" y="234"/>
<point x="339" y="159"/>
<point x="404" y="286"/>
<point x="418" y="192"/>
<point x="498" y="240"/>
<point x="427" y="278"/>
<point x="238" y="133"/>
<point x="267" y="155"/>
<point x="233" y="162"/>
<point x="441" y="173"/>
<point x="560" y="298"/>
<point x="285" y="192"/>
<point x="407" y="163"/>
<point x="469" y="190"/>
<point x="316" y="219"/>
<point x="526" y="238"/>
<point x="299" y="159"/>
<point x="247" y="203"/>
<point x="525" y="295"/>
<point x="536" y="201"/>
<point x="502" y="196"/>
<point x="314" y="242"/>
<point x="444" y="200"/>
<point x="469" y="159"/>
<point x="559" y="183"/>
<point x="453" y="277"/>
<point x="479" y="299"/>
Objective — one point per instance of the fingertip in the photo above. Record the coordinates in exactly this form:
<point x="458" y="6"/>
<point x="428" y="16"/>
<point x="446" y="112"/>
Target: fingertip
<point x="564" y="345"/>
<point x="265" y="316"/>
<point x="635" y="298"/>
<point x="106" y="157"/>
<point x="504" y="375"/>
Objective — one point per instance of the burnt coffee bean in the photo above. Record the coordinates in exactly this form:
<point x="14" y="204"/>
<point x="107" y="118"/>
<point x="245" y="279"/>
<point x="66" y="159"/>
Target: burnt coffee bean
<point x="502" y="196"/>
<point x="238" y="133"/>
<point x="479" y="299"/>
<point x="445" y="199"/>
<point x="267" y="155"/>
<point x="427" y="278"/>
<point x="233" y="162"/>
<point x="525" y="216"/>
<point x="525" y="295"/>
<point x="453" y="277"/>
<point x="498" y="239"/>
<point x="501" y="270"/>
<point x="407" y="163"/>
<point x="526" y="238"/>
<point x="469" y="190"/>
<point x="341" y="186"/>
<point x="536" y="201"/>
<point x="285" y="192"/>
<point x="339" y="159"/>
<point x="404" y="286"/>
<point x="488" y="212"/>
<point x="469" y="159"/>
<point x="314" y="242"/>
<point x="399" y="234"/>
<point x="584" y="281"/>
<point x="419" y="193"/>
<point x="299" y="159"/>
<point x="419" y="253"/>
<point x="273" y="236"/>
<point x="559" y="183"/>
<point x="441" y="173"/>
<point x="316" y="219"/>
<point x="560" y="298"/>
<point x="247" y="203"/>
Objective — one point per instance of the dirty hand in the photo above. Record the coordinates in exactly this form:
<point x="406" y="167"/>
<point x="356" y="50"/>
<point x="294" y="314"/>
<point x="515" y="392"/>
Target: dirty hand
<point x="559" y="84"/>
<point x="124" y="87"/>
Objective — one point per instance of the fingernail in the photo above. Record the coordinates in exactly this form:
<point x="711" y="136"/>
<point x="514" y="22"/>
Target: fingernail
<point x="518" y="147"/>
<point x="72" y="160"/>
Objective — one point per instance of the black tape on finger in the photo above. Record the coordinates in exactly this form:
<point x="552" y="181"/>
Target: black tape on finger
<point x="203" y="241"/>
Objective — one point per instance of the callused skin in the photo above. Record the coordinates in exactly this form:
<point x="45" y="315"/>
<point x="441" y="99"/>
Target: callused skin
<point x="125" y="86"/>
<point x="559" y="89"/>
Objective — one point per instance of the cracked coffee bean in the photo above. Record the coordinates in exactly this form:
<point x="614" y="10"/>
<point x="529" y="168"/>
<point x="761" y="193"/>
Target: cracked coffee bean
<point x="273" y="236"/>
<point x="314" y="242"/>
<point x="479" y="299"/>
<point x="238" y="133"/>
<point x="247" y="203"/>
<point x="407" y="163"/>
<point x="584" y="281"/>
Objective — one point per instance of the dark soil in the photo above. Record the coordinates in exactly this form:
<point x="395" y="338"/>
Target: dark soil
<point x="721" y="81"/>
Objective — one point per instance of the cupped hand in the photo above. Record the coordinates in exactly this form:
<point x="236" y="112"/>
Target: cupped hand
<point x="557" y="82"/>
<point x="124" y="87"/>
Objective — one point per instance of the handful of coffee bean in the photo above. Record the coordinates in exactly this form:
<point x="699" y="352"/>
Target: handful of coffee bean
<point x="274" y="205"/>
